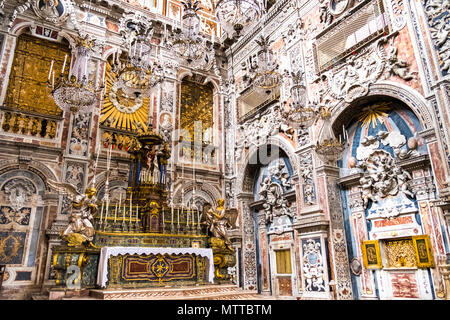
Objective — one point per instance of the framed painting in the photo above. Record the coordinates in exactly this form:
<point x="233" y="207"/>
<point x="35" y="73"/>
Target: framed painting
<point x="424" y="255"/>
<point x="371" y="254"/>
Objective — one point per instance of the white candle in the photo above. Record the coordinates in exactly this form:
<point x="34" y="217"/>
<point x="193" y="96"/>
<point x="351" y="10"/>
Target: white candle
<point x="115" y="213"/>
<point x="86" y="68"/>
<point x="51" y="69"/>
<point x="178" y="216"/>
<point x="198" y="217"/>
<point x="96" y="160"/>
<point x="163" y="220"/>
<point x="64" y="64"/>
<point x="101" y="211"/>
<point x="123" y="212"/>
<point x="107" y="209"/>
<point x="131" y="207"/>
<point x="53" y="80"/>
<point x="137" y="213"/>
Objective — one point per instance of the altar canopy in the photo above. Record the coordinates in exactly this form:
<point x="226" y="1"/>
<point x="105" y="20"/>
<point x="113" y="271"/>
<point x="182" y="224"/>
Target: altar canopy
<point x="107" y="252"/>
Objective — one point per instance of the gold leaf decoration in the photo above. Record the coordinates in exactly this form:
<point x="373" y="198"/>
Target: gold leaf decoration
<point x="119" y="110"/>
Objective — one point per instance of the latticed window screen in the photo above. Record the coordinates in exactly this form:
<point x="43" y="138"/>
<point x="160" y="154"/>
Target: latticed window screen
<point x="400" y="253"/>
<point x="27" y="88"/>
<point x="283" y="258"/>
<point x="350" y="34"/>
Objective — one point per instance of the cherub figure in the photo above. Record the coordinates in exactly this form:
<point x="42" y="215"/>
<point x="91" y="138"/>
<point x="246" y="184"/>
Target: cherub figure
<point x="219" y="220"/>
<point x="80" y="229"/>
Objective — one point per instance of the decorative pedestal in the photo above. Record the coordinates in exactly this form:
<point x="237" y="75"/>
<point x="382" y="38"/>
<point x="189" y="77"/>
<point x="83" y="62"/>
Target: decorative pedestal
<point x="224" y="258"/>
<point x="76" y="267"/>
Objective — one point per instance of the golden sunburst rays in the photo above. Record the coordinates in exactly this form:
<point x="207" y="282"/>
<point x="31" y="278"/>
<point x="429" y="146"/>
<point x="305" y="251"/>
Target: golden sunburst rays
<point x="374" y="113"/>
<point x="131" y="110"/>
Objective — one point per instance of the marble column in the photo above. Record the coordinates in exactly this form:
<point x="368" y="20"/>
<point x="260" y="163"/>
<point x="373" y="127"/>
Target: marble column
<point x="249" y="263"/>
<point x="359" y="228"/>
<point x="330" y="202"/>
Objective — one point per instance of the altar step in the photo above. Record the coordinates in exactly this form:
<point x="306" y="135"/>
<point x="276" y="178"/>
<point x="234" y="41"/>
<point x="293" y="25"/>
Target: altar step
<point x="207" y="292"/>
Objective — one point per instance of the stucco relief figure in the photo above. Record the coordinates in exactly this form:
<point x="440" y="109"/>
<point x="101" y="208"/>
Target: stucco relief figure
<point x="51" y="8"/>
<point x="219" y="220"/>
<point x="366" y="185"/>
<point x="396" y="66"/>
<point x="166" y="128"/>
<point x="313" y="268"/>
<point x="274" y="203"/>
<point x="383" y="178"/>
<point x="325" y="15"/>
<point x="80" y="228"/>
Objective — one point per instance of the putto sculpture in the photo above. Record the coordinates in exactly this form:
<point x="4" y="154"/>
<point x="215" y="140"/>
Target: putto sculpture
<point x="219" y="220"/>
<point x="80" y="229"/>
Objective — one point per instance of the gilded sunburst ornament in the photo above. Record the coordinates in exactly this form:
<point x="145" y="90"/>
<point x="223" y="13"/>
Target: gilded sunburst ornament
<point x="122" y="111"/>
<point x="374" y="113"/>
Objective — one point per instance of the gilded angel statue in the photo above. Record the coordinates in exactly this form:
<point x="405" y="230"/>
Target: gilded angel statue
<point x="219" y="220"/>
<point x="80" y="228"/>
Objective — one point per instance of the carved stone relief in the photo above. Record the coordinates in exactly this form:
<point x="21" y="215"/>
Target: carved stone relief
<point x="352" y="79"/>
<point x="338" y="245"/>
<point x="438" y="14"/>
<point x="79" y="139"/>
<point x="313" y="266"/>
<point x="18" y="193"/>
<point x="165" y="127"/>
<point x="309" y="190"/>
<point x="167" y="90"/>
<point x="256" y="131"/>
<point x="230" y="194"/>
<point x="383" y="178"/>
<point x="249" y="249"/>
<point x="275" y="204"/>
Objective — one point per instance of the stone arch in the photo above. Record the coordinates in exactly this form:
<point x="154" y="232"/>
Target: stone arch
<point x="278" y="141"/>
<point x="115" y="181"/>
<point x="410" y="97"/>
<point x="205" y="191"/>
<point x="36" y="167"/>
<point x="22" y="27"/>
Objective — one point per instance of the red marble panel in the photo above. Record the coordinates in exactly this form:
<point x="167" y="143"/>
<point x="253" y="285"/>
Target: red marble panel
<point x="393" y="221"/>
<point x="404" y="285"/>
<point x="438" y="165"/>
<point x="285" y="286"/>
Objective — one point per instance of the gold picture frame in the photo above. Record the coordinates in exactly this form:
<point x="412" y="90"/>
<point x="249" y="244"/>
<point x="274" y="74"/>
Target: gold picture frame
<point x="424" y="256"/>
<point x="371" y="254"/>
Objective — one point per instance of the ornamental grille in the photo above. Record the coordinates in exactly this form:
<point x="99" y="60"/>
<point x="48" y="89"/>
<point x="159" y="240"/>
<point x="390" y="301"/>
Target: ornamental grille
<point x="367" y="22"/>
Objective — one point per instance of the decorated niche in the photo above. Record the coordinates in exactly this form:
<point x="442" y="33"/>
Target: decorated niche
<point x="196" y="104"/>
<point x="387" y="126"/>
<point x="383" y="134"/>
<point x="27" y="88"/>
<point x="120" y="110"/>
<point x="273" y="182"/>
<point x="21" y="212"/>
